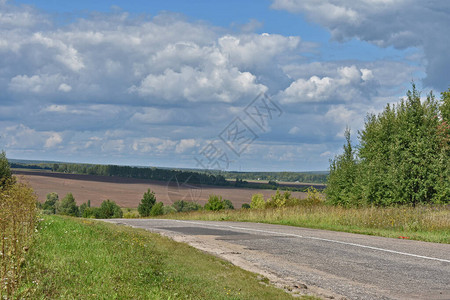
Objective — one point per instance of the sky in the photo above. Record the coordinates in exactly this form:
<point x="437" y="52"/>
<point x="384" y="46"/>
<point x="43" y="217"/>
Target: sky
<point x="257" y="85"/>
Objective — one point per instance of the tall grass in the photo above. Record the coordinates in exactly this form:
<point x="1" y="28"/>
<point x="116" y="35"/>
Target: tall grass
<point x="426" y="223"/>
<point x="17" y="223"/>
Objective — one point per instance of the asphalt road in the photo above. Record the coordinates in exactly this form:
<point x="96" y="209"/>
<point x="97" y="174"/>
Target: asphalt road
<point x="326" y="263"/>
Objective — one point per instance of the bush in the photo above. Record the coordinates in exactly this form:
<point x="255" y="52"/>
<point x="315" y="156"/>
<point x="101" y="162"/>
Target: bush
<point x="257" y="201"/>
<point x="5" y="170"/>
<point x="246" y="206"/>
<point x="157" y="209"/>
<point x="169" y="209"/>
<point x="227" y="204"/>
<point x="67" y="206"/>
<point x="50" y="204"/>
<point x="147" y="202"/>
<point x="109" y="209"/>
<point x="215" y="203"/>
<point x="183" y="206"/>
<point x="278" y="200"/>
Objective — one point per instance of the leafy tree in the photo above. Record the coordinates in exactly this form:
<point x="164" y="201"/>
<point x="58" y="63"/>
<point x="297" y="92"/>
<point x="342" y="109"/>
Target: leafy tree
<point x="5" y="170"/>
<point x="403" y="157"/>
<point x="49" y="205"/>
<point x="215" y="203"/>
<point x="109" y="209"/>
<point x="67" y="206"/>
<point x="157" y="209"/>
<point x="343" y="174"/>
<point x="147" y="202"/>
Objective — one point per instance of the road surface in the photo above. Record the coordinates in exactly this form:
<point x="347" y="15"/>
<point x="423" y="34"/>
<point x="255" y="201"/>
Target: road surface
<point x="323" y="263"/>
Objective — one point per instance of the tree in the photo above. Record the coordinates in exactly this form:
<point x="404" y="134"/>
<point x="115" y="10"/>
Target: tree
<point x="67" y="206"/>
<point x="5" y="170"/>
<point x="49" y="205"/>
<point x="343" y="174"/>
<point x="147" y="202"/>
<point x="403" y="156"/>
<point x="109" y="209"/>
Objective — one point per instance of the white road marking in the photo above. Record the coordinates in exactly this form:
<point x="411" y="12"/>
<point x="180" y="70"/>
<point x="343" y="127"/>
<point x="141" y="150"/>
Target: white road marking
<point x="313" y="238"/>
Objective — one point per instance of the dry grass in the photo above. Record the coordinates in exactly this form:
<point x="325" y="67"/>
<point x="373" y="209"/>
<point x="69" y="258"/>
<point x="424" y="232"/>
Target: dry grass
<point x="17" y="224"/>
<point x="426" y="223"/>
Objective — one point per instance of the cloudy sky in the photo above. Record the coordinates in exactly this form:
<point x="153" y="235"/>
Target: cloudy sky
<point x="237" y="85"/>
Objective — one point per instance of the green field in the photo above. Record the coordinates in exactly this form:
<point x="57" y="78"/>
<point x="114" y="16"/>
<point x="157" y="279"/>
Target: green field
<point x="86" y="259"/>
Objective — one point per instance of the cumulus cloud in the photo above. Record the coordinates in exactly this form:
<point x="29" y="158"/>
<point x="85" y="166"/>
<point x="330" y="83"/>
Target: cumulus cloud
<point x="401" y="24"/>
<point x="113" y="85"/>
<point x="349" y="83"/>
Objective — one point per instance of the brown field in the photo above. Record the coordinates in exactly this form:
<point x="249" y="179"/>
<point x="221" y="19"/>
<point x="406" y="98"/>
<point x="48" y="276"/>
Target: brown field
<point x="127" y="192"/>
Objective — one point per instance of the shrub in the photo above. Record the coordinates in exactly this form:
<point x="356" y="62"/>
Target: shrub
<point x="227" y="204"/>
<point x="314" y="196"/>
<point x="278" y="200"/>
<point x="147" y="202"/>
<point x="169" y="209"/>
<point x="67" y="206"/>
<point x="50" y="204"/>
<point x="257" y="201"/>
<point x="215" y="203"/>
<point x="246" y="206"/>
<point x="183" y="206"/>
<point x="157" y="209"/>
<point x="109" y="209"/>
<point x="5" y="170"/>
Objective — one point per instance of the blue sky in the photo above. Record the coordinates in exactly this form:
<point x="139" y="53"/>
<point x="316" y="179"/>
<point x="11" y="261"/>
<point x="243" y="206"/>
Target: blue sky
<point x="171" y="83"/>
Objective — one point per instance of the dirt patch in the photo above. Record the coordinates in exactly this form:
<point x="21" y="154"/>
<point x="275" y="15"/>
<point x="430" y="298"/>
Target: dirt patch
<point x="127" y="192"/>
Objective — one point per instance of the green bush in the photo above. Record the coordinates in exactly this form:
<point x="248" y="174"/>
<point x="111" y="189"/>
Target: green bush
<point x="157" y="209"/>
<point x="50" y="204"/>
<point x="5" y="170"/>
<point x="169" y="209"/>
<point x="147" y="202"/>
<point x="215" y="203"/>
<point x="183" y="206"/>
<point x="227" y="204"/>
<point x="257" y="201"/>
<point x="109" y="209"/>
<point x="246" y="206"/>
<point x="67" y="206"/>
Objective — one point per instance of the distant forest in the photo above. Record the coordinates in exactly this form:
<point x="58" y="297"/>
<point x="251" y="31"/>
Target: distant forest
<point x="209" y="177"/>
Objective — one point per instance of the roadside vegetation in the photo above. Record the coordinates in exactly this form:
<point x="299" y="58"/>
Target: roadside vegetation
<point x="17" y="225"/>
<point x="403" y="157"/>
<point x="75" y="258"/>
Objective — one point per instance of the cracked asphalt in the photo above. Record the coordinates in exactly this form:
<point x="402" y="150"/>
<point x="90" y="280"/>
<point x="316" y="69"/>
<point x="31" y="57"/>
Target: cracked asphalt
<point x="324" y="263"/>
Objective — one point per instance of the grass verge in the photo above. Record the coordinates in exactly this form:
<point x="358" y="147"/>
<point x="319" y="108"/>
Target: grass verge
<point x="428" y="223"/>
<point x="86" y="259"/>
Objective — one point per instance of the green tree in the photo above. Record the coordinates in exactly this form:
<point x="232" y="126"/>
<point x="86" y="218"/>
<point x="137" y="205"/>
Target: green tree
<point x="49" y="205"/>
<point x="109" y="209"/>
<point x="342" y="178"/>
<point x="5" y="170"/>
<point x="147" y="202"/>
<point x="67" y="206"/>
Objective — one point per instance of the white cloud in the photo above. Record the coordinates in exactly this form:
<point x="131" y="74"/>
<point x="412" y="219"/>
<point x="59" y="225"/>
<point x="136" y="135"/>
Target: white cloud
<point x="401" y="24"/>
<point x="349" y="83"/>
<point x="54" y="140"/>
<point x="64" y="88"/>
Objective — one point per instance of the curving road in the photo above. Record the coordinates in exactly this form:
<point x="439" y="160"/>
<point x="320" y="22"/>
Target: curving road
<point x="318" y="262"/>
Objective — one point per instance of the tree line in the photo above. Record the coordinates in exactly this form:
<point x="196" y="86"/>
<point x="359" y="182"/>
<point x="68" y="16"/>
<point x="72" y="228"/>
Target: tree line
<point x="403" y="156"/>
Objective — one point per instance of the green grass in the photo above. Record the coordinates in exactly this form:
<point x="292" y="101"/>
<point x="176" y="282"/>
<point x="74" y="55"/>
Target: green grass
<point x="428" y="223"/>
<point x="87" y="259"/>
